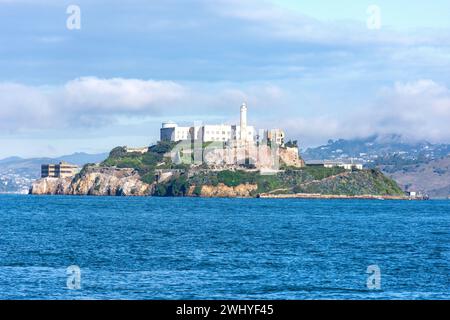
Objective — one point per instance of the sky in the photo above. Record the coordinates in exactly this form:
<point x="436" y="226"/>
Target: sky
<point x="317" y="69"/>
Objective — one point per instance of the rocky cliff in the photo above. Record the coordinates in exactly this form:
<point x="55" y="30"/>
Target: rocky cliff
<point x="223" y="191"/>
<point x="97" y="181"/>
<point x="51" y="186"/>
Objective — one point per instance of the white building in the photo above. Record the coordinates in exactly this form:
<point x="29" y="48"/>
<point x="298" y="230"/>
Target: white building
<point x="334" y="164"/>
<point x="170" y="131"/>
<point x="346" y="166"/>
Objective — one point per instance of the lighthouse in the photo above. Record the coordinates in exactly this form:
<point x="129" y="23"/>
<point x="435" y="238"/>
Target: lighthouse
<point x="244" y="122"/>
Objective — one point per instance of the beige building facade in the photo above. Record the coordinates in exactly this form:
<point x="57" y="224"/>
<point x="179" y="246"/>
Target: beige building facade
<point x="60" y="170"/>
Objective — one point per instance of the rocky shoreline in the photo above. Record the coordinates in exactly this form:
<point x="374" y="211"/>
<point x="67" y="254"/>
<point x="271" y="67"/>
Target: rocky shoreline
<point x="330" y="196"/>
<point x="104" y="181"/>
<point x="94" y="181"/>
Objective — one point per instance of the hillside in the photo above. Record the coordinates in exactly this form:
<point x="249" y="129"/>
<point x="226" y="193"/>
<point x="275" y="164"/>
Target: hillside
<point x="379" y="150"/>
<point x="158" y="176"/>
<point x="304" y="180"/>
<point x="432" y="178"/>
<point x="415" y="166"/>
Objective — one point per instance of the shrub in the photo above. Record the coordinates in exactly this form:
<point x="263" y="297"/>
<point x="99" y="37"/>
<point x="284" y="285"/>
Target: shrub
<point x="235" y="178"/>
<point x="197" y="191"/>
<point x="178" y="187"/>
<point x="118" y="152"/>
<point x="160" y="191"/>
<point x="162" y="147"/>
<point x="291" y="144"/>
<point x="151" y="158"/>
<point x="149" y="178"/>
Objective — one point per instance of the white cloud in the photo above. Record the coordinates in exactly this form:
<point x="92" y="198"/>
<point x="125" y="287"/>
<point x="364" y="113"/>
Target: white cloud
<point x="121" y="95"/>
<point x="81" y="102"/>
<point x="418" y="110"/>
<point x="22" y="106"/>
<point x="95" y="102"/>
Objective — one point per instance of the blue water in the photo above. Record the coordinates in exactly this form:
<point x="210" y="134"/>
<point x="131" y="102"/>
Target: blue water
<point x="176" y="248"/>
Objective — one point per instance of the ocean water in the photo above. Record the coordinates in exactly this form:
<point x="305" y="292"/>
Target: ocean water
<point x="190" y="248"/>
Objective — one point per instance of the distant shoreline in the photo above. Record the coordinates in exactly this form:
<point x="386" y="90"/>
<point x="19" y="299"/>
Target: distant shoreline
<point x="258" y="196"/>
<point x="333" y="197"/>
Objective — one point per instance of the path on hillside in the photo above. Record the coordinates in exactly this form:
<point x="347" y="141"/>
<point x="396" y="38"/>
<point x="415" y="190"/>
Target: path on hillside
<point x="342" y="174"/>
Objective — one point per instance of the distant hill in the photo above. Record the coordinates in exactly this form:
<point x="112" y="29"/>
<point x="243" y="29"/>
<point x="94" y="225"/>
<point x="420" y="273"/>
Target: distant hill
<point x="415" y="166"/>
<point x="17" y="174"/>
<point x="10" y="159"/>
<point x="78" y="158"/>
<point x="432" y="177"/>
<point x="378" y="150"/>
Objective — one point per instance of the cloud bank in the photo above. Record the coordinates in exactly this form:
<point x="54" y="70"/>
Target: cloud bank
<point x="95" y="102"/>
<point x="417" y="110"/>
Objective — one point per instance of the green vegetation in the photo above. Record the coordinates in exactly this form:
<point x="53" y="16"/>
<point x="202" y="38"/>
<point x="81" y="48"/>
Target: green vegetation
<point x="304" y="180"/>
<point x="149" y="178"/>
<point x="363" y="182"/>
<point x="310" y="179"/>
<point x="197" y="191"/>
<point x="176" y="187"/>
<point x="291" y="144"/>
<point x="283" y="180"/>
<point x="145" y="163"/>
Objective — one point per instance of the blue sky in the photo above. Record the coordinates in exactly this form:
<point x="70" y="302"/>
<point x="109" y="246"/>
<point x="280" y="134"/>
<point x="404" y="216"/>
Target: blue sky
<point x="313" y="68"/>
<point x="401" y="14"/>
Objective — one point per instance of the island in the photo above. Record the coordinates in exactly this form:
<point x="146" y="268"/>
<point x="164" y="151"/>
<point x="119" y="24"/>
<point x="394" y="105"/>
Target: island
<point x="218" y="161"/>
<point x="153" y="173"/>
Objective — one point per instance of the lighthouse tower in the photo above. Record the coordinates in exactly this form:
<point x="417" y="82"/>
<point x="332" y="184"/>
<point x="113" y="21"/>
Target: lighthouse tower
<point x="243" y="122"/>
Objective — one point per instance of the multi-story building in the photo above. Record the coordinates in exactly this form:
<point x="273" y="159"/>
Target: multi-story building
<point x="60" y="170"/>
<point x="170" y="131"/>
<point x="273" y="136"/>
<point x="237" y="145"/>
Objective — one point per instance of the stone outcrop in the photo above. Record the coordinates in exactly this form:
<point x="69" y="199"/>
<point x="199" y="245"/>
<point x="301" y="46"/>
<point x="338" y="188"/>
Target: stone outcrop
<point x="51" y="186"/>
<point x="97" y="181"/>
<point x="223" y="191"/>
<point x="290" y="157"/>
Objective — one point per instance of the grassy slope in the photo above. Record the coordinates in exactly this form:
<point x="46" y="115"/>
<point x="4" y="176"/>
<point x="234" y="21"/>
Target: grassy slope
<point x="308" y="180"/>
<point x="363" y="182"/>
<point x="145" y="163"/>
